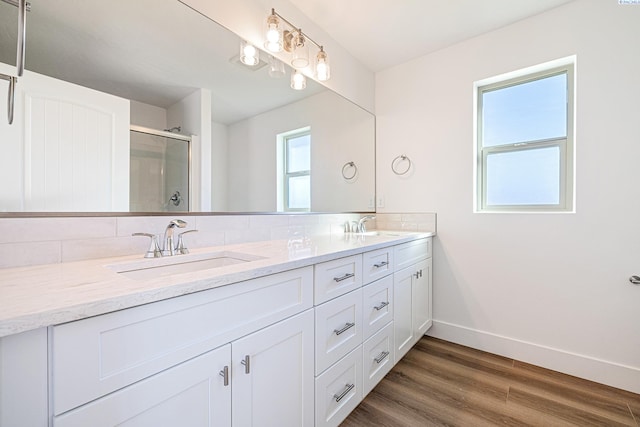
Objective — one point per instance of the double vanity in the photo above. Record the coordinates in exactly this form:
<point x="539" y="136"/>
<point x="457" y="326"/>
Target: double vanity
<point x="288" y="333"/>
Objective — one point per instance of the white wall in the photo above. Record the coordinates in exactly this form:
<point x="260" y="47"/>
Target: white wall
<point x="551" y="289"/>
<point x="219" y="167"/>
<point x="148" y="116"/>
<point x="340" y="133"/>
<point x="193" y="115"/>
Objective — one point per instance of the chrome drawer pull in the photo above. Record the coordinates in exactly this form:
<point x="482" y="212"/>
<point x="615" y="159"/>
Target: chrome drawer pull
<point x="345" y="277"/>
<point x="247" y="364"/>
<point x="381" y="357"/>
<point x="346" y="327"/>
<point x="381" y="264"/>
<point x="339" y="397"/>
<point x="381" y="306"/>
<point x="225" y="374"/>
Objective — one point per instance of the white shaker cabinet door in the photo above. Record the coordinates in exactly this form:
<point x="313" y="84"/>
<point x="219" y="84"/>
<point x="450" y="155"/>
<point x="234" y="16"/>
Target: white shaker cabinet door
<point x="193" y="394"/>
<point x="273" y="375"/>
<point x="404" y="333"/>
<point x="421" y="298"/>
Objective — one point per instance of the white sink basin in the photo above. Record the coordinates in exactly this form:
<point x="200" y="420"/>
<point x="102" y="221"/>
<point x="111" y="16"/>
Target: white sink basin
<point x="385" y="233"/>
<point x="178" y="264"/>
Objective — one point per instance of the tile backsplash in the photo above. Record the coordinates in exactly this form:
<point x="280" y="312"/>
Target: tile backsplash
<point x="47" y="240"/>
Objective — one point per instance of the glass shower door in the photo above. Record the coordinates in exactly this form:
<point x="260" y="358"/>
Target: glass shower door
<point x="159" y="171"/>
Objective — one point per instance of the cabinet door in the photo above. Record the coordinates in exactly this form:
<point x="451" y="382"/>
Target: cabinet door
<point x="404" y="333"/>
<point x="273" y="375"/>
<point x="190" y="394"/>
<point x="421" y="298"/>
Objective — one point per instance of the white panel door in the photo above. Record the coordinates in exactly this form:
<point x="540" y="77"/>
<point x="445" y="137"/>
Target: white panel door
<point x="67" y="150"/>
<point x="191" y="394"/>
<point x="273" y="381"/>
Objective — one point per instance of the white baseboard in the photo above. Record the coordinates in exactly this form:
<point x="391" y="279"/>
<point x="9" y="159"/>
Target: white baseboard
<point x="601" y="371"/>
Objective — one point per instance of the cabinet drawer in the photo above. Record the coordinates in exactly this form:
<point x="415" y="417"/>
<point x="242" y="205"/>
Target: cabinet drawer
<point x="338" y="328"/>
<point x="337" y="277"/>
<point x="96" y="356"/>
<point x="192" y="393"/>
<point x="377" y="305"/>
<point x="411" y="252"/>
<point x="339" y="390"/>
<point x="377" y="264"/>
<point x="377" y="354"/>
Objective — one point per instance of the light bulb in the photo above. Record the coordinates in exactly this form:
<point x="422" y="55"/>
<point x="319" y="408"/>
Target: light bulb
<point x="298" y="80"/>
<point x="249" y="55"/>
<point x="300" y="58"/>
<point x="274" y="33"/>
<point x="323" y="71"/>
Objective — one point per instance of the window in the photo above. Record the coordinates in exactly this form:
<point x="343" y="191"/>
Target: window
<point x="525" y="143"/>
<point x="297" y="170"/>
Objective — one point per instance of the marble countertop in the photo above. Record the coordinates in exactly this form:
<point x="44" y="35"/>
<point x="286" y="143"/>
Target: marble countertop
<point x="45" y="295"/>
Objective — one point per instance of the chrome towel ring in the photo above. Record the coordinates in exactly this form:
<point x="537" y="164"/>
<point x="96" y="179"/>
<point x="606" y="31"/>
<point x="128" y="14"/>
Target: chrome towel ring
<point x="345" y="171"/>
<point x="397" y="161"/>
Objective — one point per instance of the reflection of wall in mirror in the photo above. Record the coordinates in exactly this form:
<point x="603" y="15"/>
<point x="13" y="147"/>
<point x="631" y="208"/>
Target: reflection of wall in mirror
<point x="64" y="149"/>
<point x="341" y="132"/>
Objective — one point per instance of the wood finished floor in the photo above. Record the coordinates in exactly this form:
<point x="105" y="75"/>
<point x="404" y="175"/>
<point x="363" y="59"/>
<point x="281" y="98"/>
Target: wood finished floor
<point x="444" y="384"/>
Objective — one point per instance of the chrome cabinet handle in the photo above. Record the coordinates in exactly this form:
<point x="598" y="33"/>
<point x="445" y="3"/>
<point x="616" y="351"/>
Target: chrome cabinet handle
<point x="381" y="264"/>
<point x="381" y="356"/>
<point x="225" y="374"/>
<point x="381" y="306"/>
<point x="635" y="280"/>
<point x="345" y="277"/>
<point x="345" y="328"/>
<point x="247" y="364"/>
<point x="348" y="388"/>
<point x="418" y="274"/>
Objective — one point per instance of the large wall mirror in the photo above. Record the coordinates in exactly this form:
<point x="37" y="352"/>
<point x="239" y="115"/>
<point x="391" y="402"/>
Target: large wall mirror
<point x="101" y="73"/>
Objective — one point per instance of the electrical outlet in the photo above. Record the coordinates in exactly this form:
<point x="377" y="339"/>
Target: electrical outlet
<point x="380" y="201"/>
<point x="372" y="202"/>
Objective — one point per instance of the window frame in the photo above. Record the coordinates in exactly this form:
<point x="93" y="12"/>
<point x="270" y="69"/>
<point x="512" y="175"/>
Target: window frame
<point x="565" y="144"/>
<point x="286" y="174"/>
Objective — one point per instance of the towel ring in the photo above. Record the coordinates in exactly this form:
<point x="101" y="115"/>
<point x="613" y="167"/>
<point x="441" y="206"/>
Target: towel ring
<point x="396" y="161"/>
<point x="346" y="167"/>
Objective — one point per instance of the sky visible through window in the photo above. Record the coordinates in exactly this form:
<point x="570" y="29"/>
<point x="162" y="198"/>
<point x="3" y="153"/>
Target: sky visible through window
<point x="526" y="112"/>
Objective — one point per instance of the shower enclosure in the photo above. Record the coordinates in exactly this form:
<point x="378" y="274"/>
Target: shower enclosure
<point x="159" y="171"/>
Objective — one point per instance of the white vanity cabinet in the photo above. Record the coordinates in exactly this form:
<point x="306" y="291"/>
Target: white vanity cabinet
<point x="192" y="393"/>
<point x="412" y="294"/>
<point x="104" y="358"/>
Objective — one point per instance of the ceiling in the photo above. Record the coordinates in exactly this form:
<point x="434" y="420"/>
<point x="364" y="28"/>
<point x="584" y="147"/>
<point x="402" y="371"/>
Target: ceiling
<point x="384" y="33"/>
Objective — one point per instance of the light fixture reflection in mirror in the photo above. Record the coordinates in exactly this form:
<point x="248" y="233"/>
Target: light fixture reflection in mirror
<point x="298" y="80"/>
<point x="276" y="67"/>
<point x="249" y="54"/>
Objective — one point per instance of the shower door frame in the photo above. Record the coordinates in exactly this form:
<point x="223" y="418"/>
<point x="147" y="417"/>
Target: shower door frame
<point x="165" y="134"/>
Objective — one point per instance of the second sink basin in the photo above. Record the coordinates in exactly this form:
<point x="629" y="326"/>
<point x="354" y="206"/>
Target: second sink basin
<point x="159" y="267"/>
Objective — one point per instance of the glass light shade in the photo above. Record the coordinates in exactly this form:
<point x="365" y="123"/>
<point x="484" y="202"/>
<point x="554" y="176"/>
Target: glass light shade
<point x="276" y="67"/>
<point x="323" y="70"/>
<point x="300" y="54"/>
<point x="298" y="80"/>
<point x="274" y="34"/>
<point x="249" y="54"/>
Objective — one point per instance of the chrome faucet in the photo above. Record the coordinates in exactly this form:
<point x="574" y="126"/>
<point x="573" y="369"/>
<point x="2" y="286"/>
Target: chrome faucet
<point x="169" y="248"/>
<point x="361" y="226"/>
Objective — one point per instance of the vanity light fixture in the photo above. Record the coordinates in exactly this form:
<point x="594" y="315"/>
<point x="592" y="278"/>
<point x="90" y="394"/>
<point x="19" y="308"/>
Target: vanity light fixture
<point x="293" y="40"/>
<point x="249" y="54"/>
